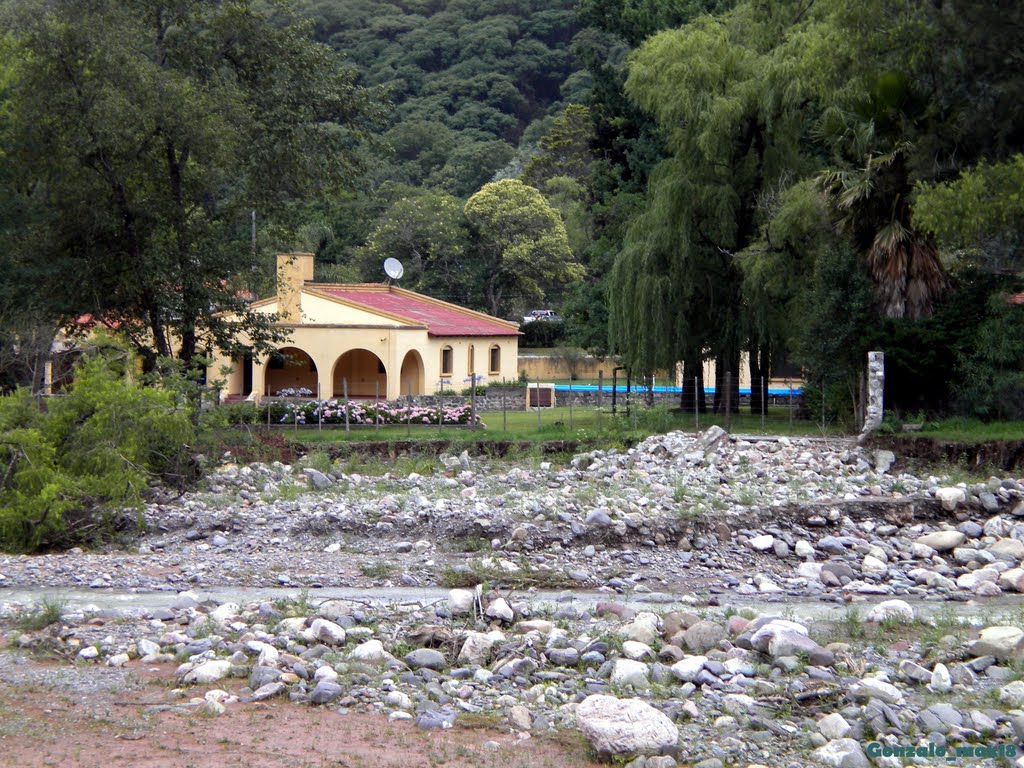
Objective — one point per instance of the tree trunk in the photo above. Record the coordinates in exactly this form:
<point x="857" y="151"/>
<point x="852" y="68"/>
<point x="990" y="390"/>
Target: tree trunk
<point x="728" y="364"/>
<point x="760" y="372"/>
<point x="693" y="370"/>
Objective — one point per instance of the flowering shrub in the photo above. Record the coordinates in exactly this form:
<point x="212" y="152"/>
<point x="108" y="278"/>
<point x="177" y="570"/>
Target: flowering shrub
<point x="333" y="412"/>
<point x="291" y="392"/>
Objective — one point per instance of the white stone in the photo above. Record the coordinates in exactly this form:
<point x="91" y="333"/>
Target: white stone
<point x="997" y="641"/>
<point x="951" y="497"/>
<point x="687" y="669"/>
<point x="477" y="647"/>
<point x="645" y="628"/>
<point x="398" y="700"/>
<point x="1013" y="579"/>
<point x="325" y="673"/>
<point x="327" y="632"/>
<point x="1012" y="694"/>
<point x="224" y="611"/>
<point x="627" y="672"/>
<point x="208" y="672"/>
<point x="809" y="571"/>
<point x="892" y="610"/>
<point x="942" y="541"/>
<point x="842" y="753"/>
<point x="833" y="726"/>
<point x="941" y="681"/>
<point x="371" y="652"/>
<point x="803" y="549"/>
<point x="762" y="543"/>
<point x="872" y="688"/>
<point x="460" y="601"/>
<point x="873" y="565"/>
<point x="500" y="609"/>
<point x="637" y="651"/>
<point x="625" y="727"/>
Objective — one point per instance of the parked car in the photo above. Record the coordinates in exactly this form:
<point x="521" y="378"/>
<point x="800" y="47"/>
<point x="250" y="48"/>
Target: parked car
<point x="541" y="314"/>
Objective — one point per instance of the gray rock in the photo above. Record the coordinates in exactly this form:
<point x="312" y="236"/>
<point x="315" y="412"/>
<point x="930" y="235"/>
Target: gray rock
<point x="326" y="692"/>
<point x="268" y="691"/>
<point x="704" y="636"/>
<point x="625" y="727"/>
<point x="317" y="479"/>
<point x="426" y="657"/>
<point x="443" y="717"/>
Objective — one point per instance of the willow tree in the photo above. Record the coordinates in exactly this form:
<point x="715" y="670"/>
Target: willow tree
<point x="732" y="118"/>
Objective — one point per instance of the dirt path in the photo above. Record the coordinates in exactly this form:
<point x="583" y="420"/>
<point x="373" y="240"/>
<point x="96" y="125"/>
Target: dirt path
<point x="58" y="714"/>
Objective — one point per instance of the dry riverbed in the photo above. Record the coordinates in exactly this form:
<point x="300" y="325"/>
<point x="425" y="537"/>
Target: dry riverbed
<point x="923" y="644"/>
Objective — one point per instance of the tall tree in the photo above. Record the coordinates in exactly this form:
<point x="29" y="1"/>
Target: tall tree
<point x="521" y="245"/>
<point x="164" y="123"/>
<point x="733" y="125"/>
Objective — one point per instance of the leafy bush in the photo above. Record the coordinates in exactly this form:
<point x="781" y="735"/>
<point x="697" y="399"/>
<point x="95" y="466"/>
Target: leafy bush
<point x="64" y="469"/>
<point x="542" y="333"/>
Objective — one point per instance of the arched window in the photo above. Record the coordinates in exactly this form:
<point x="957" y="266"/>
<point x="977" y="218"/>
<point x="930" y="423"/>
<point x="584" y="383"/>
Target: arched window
<point x="470" y="362"/>
<point x="447" y="361"/>
<point x="494" y="360"/>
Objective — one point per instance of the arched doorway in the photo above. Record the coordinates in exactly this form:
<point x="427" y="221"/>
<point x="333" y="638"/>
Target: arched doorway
<point x="365" y="373"/>
<point x="412" y="374"/>
<point x="289" y="368"/>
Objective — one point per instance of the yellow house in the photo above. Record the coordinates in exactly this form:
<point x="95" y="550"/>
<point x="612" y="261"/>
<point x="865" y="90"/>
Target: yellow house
<point x="369" y="340"/>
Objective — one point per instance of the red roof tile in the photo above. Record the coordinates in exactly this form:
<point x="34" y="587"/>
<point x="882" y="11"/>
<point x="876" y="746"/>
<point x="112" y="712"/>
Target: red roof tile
<point x="441" y="318"/>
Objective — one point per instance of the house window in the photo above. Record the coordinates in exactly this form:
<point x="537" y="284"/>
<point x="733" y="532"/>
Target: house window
<point x="470" y="366"/>
<point x="494" y="361"/>
<point x="447" y="359"/>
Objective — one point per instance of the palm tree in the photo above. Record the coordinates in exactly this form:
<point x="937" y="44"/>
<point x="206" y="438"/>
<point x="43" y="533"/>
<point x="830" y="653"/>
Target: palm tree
<point x="872" y="206"/>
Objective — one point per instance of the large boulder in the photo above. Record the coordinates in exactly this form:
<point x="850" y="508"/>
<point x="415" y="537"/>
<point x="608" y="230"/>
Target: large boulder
<point x="625" y="727"/>
<point x="1000" y="642"/>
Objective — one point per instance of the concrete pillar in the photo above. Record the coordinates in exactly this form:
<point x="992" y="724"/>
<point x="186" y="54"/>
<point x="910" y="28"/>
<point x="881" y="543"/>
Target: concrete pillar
<point x="259" y="379"/>
<point x="874" y="409"/>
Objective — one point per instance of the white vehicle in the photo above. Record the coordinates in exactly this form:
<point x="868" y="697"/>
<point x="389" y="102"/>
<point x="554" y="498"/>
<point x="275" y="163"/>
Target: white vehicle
<point x="540" y="314"/>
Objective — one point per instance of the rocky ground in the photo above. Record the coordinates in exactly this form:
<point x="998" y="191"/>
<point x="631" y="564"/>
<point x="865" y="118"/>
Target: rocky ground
<point x="678" y="532"/>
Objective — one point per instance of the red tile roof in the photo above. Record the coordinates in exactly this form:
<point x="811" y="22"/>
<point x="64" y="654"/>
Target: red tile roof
<point x="441" y="318"/>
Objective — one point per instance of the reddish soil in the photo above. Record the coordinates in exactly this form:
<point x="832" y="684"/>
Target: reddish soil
<point x="42" y="725"/>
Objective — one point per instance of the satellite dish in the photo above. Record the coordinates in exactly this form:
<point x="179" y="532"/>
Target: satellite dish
<point x="394" y="269"/>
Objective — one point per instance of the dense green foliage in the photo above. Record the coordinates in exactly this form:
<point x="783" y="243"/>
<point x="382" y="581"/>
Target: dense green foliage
<point x="681" y="180"/>
<point x="164" y="123"/>
<point x="64" y="468"/>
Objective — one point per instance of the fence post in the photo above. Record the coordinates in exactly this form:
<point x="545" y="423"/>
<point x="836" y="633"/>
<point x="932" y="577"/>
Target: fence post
<point x="696" y="405"/>
<point x="728" y="401"/>
<point x="823" y="406"/>
<point x="472" y="401"/>
<point x="408" y="414"/>
<point x="504" y="413"/>
<point x="600" y="391"/>
<point x="791" y="404"/>
<point x="344" y="386"/>
<point x="319" y="410"/>
<point x="376" y="406"/>
<point x="537" y="391"/>
<point x="764" y="404"/>
<point x="570" y="404"/>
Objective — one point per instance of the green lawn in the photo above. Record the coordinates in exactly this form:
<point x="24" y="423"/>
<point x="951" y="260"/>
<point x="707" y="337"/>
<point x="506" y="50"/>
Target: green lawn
<point x="970" y="430"/>
<point x="584" y="423"/>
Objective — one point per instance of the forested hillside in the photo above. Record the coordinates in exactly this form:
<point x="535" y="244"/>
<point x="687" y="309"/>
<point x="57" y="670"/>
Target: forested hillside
<point x="679" y="179"/>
